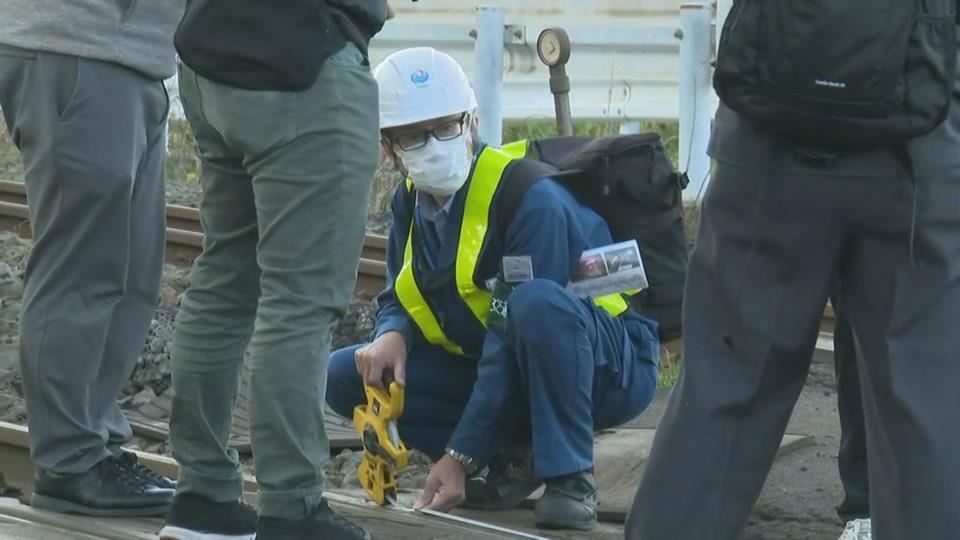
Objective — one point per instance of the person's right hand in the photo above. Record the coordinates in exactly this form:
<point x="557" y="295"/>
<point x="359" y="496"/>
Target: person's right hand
<point x="387" y="353"/>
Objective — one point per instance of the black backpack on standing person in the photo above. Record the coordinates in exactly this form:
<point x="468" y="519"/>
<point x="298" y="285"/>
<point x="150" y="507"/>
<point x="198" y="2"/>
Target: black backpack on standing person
<point x="630" y="182"/>
<point x="839" y="73"/>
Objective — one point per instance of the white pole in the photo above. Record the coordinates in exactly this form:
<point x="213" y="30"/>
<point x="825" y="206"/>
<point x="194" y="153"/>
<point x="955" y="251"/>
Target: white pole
<point x="488" y="77"/>
<point x="173" y="100"/>
<point x="723" y="8"/>
<point x="696" y="94"/>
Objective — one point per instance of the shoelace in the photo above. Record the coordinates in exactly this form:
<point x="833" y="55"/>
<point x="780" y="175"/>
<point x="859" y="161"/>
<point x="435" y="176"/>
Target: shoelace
<point x="119" y="471"/>
<point x="576" y="488"/>
<point x="130" y="460"/>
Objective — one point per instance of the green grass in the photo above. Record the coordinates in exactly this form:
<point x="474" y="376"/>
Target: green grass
<point x="539" y="128"/>
<point x="183" y="165"/>
<point x="669" y="369"/>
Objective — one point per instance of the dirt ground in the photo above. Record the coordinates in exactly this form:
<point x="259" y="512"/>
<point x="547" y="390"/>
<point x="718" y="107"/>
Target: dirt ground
<point x="801" y="494"/>
<point x="797" y="501"/>
<point x="799" y="498"/>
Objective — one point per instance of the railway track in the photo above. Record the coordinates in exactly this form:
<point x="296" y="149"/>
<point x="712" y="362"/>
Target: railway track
<point x="185" y="237"/>
<point x="20" y="521"/>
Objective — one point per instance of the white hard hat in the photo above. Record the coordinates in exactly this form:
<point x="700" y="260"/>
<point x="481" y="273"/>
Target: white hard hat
<point x="421" y="84"/>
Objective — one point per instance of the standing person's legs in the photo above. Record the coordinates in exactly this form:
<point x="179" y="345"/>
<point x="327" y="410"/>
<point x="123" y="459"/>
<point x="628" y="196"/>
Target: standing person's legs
<point x="212" y="329"/>
<point x="438" y="388"/>
<point x="92" y="170"/>
<point x="903" y="299"/>
<point x="216" y="317"/>
<point x="757" y="285"/>
<point x="312" y="156"/>
<point x="131" y="316"/>
<point x="852" y="458"/>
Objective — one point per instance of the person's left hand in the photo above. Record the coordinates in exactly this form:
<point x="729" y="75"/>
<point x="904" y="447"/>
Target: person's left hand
<point x="445" y="486"/>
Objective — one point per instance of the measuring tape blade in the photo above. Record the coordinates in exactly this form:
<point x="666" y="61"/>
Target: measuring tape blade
<point x="467" y="521"/>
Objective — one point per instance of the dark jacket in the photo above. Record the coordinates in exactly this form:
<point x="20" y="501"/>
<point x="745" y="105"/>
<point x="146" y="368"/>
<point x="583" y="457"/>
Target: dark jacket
<point x="275" y="44"/>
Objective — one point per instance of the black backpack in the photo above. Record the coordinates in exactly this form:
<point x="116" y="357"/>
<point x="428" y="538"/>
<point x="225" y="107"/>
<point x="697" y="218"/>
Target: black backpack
<point x="631" y="183"/>
<point x="839" y="73"/>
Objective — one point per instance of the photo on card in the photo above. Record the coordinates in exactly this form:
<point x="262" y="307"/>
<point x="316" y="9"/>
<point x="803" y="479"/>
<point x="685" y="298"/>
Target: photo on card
<point x="591" y="266"/>
<point x="621" y="260"/>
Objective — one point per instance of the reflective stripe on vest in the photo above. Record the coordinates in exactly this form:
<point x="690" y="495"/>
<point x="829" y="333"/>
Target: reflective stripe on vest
<point x="473" y="229"/>
<point x="415" y="305"/>
<point x="516" y="149"/>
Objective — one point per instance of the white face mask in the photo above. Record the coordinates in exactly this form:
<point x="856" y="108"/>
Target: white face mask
<point x="440" y="168"/>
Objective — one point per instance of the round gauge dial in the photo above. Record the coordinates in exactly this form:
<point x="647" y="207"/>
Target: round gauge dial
<point x="553" y="46"/>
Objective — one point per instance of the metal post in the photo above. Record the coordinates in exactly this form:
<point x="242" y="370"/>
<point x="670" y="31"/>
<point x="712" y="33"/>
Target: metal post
<point x="560" y="86"/>
<point x="695" y="94"/>
<point x="488" y="77"/>
<point x="723" y="8"/>
<point x="173" y="95"/>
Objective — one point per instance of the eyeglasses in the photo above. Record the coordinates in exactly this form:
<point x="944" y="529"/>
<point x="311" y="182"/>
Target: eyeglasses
<point x="413" y="140"/>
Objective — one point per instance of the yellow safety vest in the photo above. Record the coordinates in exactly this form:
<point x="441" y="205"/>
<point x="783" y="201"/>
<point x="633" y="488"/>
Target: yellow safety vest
<point x="474" y="228"/>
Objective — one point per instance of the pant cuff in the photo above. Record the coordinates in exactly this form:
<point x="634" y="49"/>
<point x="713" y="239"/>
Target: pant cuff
<point x="292" y="504"/>
<point x="215" y="488"/>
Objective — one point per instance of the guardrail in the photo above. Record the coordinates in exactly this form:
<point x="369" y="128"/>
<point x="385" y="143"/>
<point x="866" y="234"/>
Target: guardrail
<point x="624" y="66"/>
<point x="631" y="61"/>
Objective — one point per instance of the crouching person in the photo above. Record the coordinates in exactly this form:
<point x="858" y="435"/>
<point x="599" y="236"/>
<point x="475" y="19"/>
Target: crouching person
<point x="499" y="370"/>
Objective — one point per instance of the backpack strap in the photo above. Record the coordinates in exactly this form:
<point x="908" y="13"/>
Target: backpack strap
<point x="520" y="175"/>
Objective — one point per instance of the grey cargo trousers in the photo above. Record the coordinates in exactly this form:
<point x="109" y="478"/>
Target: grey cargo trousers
<point x="92" y="138"/>
<point x="286" y="180"/>
<point x="772" y="238"/>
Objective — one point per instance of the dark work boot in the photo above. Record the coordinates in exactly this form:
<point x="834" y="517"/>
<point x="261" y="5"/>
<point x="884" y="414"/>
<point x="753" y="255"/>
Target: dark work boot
<point x="108" y="489"/>
<point x="569" y="502"/>
<point x="149" y="476"/>
<point x="323" y="523"/>
<point x="504" y="484"/>
<point x="195" y="517"/>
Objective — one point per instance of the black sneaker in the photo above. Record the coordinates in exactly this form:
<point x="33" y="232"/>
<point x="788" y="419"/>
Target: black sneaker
<point x="504" y="484"/>
<point x="323" y="523"/>
<point x="149" y="476"/>
<point x="109" y="489"/>
<point x="569" y="502"/>
<point x="195" y="517"/>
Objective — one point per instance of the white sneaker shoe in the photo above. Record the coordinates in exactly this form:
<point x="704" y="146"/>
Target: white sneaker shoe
<point x="858" y="529"/>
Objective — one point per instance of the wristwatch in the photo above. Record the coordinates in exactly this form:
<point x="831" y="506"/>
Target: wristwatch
<point x="468" y="463"/>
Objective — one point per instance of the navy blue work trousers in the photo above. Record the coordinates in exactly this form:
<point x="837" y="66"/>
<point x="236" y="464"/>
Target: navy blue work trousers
<point x="581" y="371"/>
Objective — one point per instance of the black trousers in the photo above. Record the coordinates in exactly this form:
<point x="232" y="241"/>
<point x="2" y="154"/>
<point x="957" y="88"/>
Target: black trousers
<point x="773" y="237"/>
<point x="852" y="457"/>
